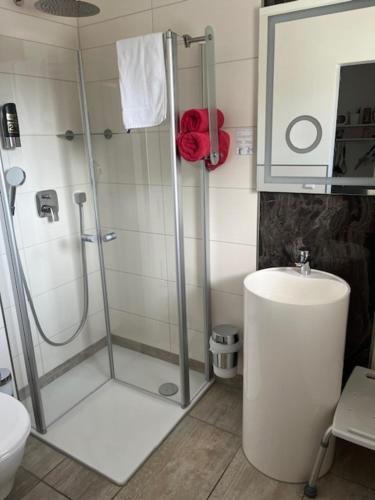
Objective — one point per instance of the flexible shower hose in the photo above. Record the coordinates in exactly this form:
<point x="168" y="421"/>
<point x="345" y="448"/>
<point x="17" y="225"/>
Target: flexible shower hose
<point x="85" y="293"/>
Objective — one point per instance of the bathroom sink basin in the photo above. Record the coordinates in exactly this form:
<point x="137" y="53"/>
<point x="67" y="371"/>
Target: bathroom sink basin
<point x="294" y="343"/>
<point x="286" y="285"/>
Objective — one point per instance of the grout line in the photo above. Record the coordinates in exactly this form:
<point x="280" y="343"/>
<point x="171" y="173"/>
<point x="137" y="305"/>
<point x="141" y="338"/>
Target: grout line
<point x="56" y="490"/>
<point x="35" y="41"/>
<point x="224" y="471"/>
<point x="350" y="481"/>
<point x="41" y="77"/>
<point x="109" y="19"/>
<point x="214" y="425"/>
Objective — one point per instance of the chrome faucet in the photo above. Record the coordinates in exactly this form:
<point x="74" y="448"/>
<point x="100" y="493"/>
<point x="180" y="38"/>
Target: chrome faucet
<point x="303" y="262"/>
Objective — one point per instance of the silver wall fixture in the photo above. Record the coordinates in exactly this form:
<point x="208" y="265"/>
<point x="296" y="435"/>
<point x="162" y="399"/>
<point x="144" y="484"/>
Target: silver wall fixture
<point x="69" y="135"/>
<point x="47" y="204"/>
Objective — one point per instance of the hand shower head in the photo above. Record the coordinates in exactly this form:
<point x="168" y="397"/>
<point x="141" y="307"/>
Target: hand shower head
<point x="14" y="177"/>
<point x="67" y="8"/>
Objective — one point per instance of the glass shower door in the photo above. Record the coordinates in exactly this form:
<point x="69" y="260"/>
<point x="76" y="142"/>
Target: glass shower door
<point x="44" y="86"/>
<point x="135" y="191"/>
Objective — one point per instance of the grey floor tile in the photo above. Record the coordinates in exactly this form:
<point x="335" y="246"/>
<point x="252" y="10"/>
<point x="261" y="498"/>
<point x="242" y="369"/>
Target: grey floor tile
<point x="355" y="463"/>
<point x="100" y="489"/>
<point x="24" y="482"/>
<point x="74" y="480"/>
<point x="221" y="406"/>
<point x="39" y="458"/>
<point x="242" y="481"/>
<point x="334" y="488"/>
<point x="186" y="466"/>
<point x="43" y="492"/>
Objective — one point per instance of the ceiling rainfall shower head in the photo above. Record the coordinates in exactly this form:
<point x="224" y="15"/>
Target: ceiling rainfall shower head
<point x="67" y="8"/>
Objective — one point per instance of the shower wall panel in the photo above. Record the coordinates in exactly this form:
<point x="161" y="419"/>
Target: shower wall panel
<point x="42" y="80"/>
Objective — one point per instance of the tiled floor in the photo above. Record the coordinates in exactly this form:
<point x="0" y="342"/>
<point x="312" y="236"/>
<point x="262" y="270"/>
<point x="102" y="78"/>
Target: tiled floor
<point x="201" y="459"/>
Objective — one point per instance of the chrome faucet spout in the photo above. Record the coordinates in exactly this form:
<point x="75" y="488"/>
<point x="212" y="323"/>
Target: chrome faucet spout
<point x="303" y="262"/>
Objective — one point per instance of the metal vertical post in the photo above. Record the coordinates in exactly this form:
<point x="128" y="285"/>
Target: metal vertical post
<point x="171" y="52"/>
<point x="208" y="369"/>
<point x="21" y="306"/>
<point x="87" y="134"/>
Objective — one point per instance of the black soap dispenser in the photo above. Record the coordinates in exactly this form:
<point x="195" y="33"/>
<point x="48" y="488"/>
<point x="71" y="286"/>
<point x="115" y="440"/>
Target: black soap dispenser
<point x="9" y="126"/>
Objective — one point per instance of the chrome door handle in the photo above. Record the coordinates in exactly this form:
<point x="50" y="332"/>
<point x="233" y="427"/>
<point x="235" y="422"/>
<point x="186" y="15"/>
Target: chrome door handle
<point x="89" y="238"/>
<point x="109" y="237"/>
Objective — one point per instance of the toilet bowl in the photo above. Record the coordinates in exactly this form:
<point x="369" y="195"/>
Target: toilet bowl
<point x="14" y="430"/>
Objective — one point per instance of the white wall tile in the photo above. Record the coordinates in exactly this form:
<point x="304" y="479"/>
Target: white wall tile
<point x="196" y="342"/>
<point x="51" y="306"/>
<point x="140" y="329"/>
<point x="233" y="215"/>
<point x="36" y="230"/>
<point x="100" y="63"/>
<point x="50" y="162"/>
<point x="37" y="59"/>
<point x="138" y="295"/>
<point x="128" y="158"/>
<point x="18" y="25"/>
<point x="193" y="260"/>
<point x="191" y="211"/>
<point x="104" y="106"/>
<point x="134" y="208"/>
<point x="230" y="264"/>
<point x="194" y="306"/>
<point x="237" y="172"/>
<point x="192" y="16"/>
<point x="55" y="356"/>
<point x="227" y="308"/>
<point x="116" y="29"/>
<point x="115" y="8"/>
<point x="56" y="262"/>
<point x="46" y="107"/>
<point x="236" y="87"/>
<point x="138" y="253"/>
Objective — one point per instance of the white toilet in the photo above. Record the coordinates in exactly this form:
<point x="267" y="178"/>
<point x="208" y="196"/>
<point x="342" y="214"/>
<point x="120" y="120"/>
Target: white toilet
<point x="14" y="430"/>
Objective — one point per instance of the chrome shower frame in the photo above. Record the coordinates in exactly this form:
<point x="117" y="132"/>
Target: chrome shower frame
<point x="170" y="39"/>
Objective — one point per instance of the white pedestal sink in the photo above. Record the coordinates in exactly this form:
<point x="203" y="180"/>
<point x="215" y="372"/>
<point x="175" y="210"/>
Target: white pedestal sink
<point x="293" y="358"/>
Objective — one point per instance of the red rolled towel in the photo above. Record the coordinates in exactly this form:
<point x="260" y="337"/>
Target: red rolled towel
<point x="196" y="120"/>
<point x="224" y="144"/>
<point x="193" y="146"/>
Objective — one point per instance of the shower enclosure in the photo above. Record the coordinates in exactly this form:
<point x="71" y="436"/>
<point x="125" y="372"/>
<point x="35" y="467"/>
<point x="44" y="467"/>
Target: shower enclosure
<point x="144" y="230"/>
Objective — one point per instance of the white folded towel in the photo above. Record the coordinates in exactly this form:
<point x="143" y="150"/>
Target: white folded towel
<point x="143" y="83"/>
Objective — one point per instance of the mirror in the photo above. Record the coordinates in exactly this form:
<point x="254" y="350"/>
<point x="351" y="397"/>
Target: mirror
<point x="316" y="119"/>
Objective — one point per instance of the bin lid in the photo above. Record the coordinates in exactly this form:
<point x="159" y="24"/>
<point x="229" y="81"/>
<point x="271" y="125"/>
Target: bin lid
<point x="5" y="376"/>
<point x="225" y="334"/>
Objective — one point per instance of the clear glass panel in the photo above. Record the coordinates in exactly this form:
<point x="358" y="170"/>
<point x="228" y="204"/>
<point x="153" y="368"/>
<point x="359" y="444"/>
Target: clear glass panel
<point x="42" y="80"/>
<point x="136" y="202"/>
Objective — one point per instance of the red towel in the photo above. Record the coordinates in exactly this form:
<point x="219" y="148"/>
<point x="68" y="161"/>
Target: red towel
<point x="224" y="144"/>
<point x="196" y="120"/>
<point x="193" y="146"/>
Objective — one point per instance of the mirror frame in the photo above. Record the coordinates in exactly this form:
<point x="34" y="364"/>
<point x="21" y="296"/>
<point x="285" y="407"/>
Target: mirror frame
<point x="269" y="18"/>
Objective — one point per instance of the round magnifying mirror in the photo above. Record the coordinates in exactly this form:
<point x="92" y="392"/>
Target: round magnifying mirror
<point x="304" y="134"/>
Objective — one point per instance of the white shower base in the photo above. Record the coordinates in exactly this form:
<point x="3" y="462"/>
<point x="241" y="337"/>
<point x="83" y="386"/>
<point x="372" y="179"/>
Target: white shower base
<point x="116" y="427"/>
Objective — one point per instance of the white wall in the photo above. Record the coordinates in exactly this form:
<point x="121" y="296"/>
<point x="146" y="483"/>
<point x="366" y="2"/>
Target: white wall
<point x="38" y="72"/>
<point x="133" y="171"/>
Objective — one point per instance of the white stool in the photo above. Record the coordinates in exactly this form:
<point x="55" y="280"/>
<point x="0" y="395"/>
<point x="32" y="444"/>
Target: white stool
<point x="354" y="419"/>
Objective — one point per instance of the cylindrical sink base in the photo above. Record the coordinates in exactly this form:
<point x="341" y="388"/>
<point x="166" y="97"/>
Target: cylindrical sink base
<point x="293" y="360"/>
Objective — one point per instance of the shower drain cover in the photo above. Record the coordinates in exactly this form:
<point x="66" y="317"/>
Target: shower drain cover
<point x="168" y="389"/>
